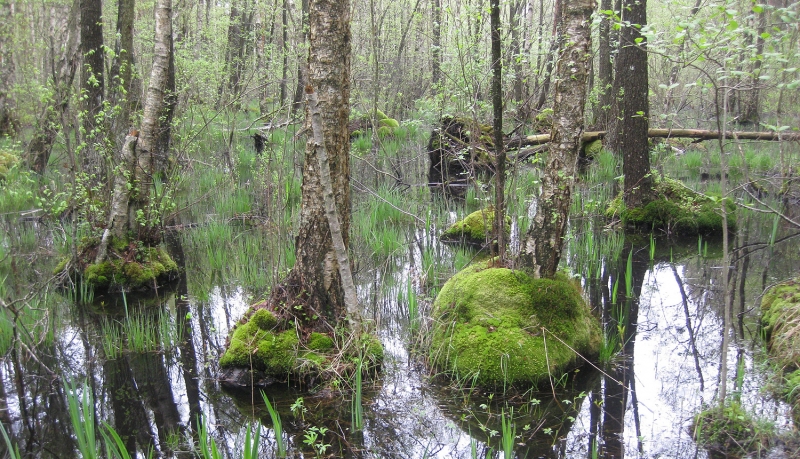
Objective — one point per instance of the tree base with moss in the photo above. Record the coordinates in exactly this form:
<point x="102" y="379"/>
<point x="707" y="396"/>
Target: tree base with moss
<point x="265" y="348"/>
<point x="500" y="327"/>
<point x="128" y="265"/>
<point x="674" y="209"/>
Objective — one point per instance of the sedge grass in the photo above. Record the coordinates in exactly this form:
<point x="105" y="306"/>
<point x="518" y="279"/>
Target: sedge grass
<point x="509" y="433"/>
<point x="356" y="408"/>
<point x="277" y="426"/>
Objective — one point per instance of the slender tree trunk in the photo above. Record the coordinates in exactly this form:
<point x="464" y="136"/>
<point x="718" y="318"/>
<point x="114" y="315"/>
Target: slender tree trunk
<point x="545" y="239"/>
<point x="313" y="290"/>
<point x="7" y="68"/>
<point x="627" y="133"/>
<point x="92" y="82"/>
<point x="552" y="56"/>
<point x="514" y="10"/>
<point x="436" y="45"/>
<point x="122" y="70"/>
<point x="284" y="48"/>
<point x="673" y="74"/>
<point x="497" y="106"/>
<point x="605" y="70"/>
<point x="749" y="97"/>
<point x="297" y="101"/>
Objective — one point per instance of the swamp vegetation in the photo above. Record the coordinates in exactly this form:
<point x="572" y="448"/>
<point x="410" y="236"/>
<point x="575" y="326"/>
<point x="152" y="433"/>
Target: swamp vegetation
<point x="172" y="286"/>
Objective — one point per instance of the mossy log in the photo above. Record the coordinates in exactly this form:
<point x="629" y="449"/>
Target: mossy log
<point x="699" y="134"/>
<point x="500" y="327"/>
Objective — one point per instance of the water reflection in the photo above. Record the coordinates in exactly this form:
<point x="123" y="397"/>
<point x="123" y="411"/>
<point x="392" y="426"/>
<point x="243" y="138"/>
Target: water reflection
<point x="666" y="313"/>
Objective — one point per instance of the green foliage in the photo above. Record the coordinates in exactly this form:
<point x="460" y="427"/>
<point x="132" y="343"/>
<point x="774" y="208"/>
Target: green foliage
<point x="148" y="265"/>
<point x="730" y="430"/>
<point x="501" y="327"/>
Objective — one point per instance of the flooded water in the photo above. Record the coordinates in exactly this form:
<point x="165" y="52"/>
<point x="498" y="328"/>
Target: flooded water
<point x="666" y="311"/>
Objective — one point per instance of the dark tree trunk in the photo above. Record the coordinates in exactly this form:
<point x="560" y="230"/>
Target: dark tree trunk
<point x="92" y="82"/>
<point x="284" y="48"/>
<point x="515" y="57"/>
<point x="436" y="44"/>
<point x="545" y="239"/>
<point x="497" y="106"/>
<point x="605" y="71"/>
<point x="627" y="133"/>
<point x="552" y="56"/>
<point x="313" y="287"/>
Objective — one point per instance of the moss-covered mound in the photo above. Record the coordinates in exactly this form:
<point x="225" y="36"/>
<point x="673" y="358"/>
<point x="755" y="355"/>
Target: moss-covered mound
<point x="129" y="266"/>
<point x="360" y="124"/>
<point x="274" y="351"/>
<point x="475" y="228"/>
<point x="780" y="319"/>
<point x="501" y="326"/>
<point x="674" y="209"/>
<point x="8" y="159"/>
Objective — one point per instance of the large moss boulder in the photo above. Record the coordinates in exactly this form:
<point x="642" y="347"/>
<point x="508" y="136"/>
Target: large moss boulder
<point x="501" y="326"/>
<point x="780" y="321"/>
<point x="475" y="228"/>
<point x="675" y="209"/>
<point x="264" y="349"/>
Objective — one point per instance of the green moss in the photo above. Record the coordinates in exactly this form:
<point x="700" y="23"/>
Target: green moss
<point x="593" y="149"/>
<point x="320" y="342"/>
<point x="385" y="131"/>
<point x="99" y="274"/>
<point x="676" y="209"/>
<point x="500" y="326"/>
<point x="264" y="319"/>
<point x="8" y="159"/>
<point x="474" y="228"/>
<point x="780" y="321"/>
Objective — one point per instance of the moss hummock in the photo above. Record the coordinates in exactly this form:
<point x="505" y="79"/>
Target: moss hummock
<point x="780" y="321"/>
<point x="675" y="209"/>
<point x="129" y="266"/>
<point x="276" y="349"/>
<point x="501" y="326"/>
<point x="474" y="229"/>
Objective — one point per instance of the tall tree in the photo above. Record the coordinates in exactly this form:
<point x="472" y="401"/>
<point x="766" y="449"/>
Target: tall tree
<point x="436" y="45"/>
<point x="500" y="151"/>
<point x="749" y="97"/>
<point x="627" y="130"/>
<point x="545" y="239"/>
<point x="122" y="70"/>
<point x="605" y="70"/>
<point x="297" y="101"/>
<point x="313" y="288"/>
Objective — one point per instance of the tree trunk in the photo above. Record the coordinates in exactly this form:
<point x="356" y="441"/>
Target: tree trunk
<point x="7" y="68"/>
<point x="514" y="10"/>
<point x="605" y="70"/>
<point x="552" y="55"/>
<point x="545" y="239"/>
<point x="297" y="101"/>
<point x="627" y="133"/>
<point x="92" y="81"/>
<point x="497" y="106"/>
<point x="436" y="44"/>
<point x="749" y="97"/>
<point x="284" y="49"/>
<point x="154" y="105"/>
<point x="49" y="124"/>
<point x="313" y="292"/>
<point x="122" y="69"/>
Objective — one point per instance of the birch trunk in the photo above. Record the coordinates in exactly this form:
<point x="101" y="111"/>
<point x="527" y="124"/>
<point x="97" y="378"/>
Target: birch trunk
<point x="545" y="239"/>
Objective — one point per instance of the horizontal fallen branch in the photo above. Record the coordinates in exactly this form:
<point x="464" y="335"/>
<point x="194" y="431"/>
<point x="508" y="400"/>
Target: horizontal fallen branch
<point x="699" y="134"/>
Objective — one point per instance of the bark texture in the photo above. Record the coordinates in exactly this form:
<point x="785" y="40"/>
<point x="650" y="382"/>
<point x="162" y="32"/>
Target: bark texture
<point x="605" y="69"/>
<point x="436" y="45"/>
<point x="545" y="239"/>
<point x="92" y="82"/>
<point x="627" y="133"/>
<point x="7" y="121"/>
<point x="497" y="105"/>
<point x="312" y="292"/>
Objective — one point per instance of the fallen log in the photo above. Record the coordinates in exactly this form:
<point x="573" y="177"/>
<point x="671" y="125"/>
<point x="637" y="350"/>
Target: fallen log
<point x="699" y="134"/>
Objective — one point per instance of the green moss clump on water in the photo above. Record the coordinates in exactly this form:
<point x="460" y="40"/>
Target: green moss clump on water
<point x="475" y="228"/>
<point x="730" y="430"/>
<point x="675" y="209"/>
<point x="501" y="326"/>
